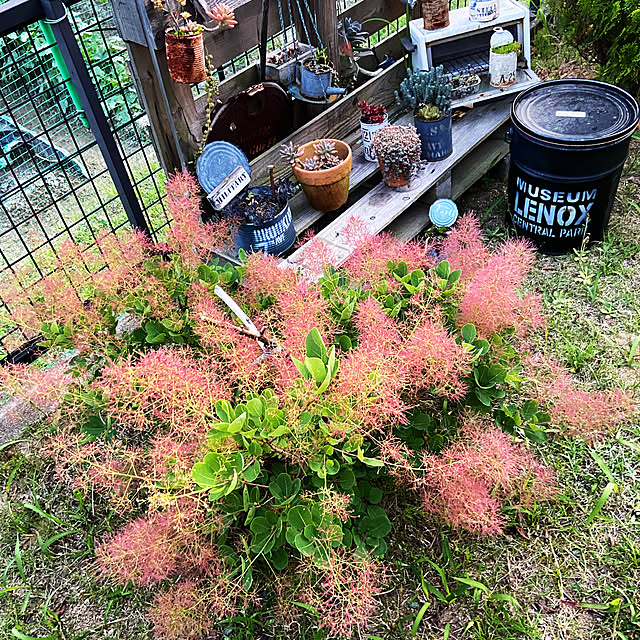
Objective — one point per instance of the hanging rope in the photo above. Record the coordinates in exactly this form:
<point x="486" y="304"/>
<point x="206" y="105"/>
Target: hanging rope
<point x="304" y="24"/>
<point x="313" y="22"/>
<point x="284" y="31"/>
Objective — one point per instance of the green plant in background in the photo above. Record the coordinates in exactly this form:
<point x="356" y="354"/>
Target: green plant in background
<point x="510" y="47"/>
<point x="427" y="94"/>
<point x="607" y="31"/>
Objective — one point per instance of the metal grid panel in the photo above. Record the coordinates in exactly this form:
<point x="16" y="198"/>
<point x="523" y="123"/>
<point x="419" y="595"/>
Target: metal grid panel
<point x="54" y="184"/>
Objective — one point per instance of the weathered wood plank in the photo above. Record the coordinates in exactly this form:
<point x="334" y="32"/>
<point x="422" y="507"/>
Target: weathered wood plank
<point x="463" y="176"/>
<point x="383" y="205"/>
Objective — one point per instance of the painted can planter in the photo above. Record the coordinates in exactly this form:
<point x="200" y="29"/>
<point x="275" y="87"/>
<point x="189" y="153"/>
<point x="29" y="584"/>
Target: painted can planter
<point x="503" y="67"/>
<point x="185" y="58"/>
<point x="569" y="143"/>
<point x="273" y="236"/>
<point x="327" y="189"/>
<point x="435" y="138"/>
<point x="367" y="130"/>
<point x="484" y="10"/>
<point x="287" y="72"/>
<point x="317" y="86"/>
<point x="435" y="14"/>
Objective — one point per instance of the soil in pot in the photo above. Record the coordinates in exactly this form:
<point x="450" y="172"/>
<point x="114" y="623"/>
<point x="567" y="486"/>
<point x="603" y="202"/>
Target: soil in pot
<point x="326" y="189"/>
<point x="315" y="79"/>
<point x="185" y="58"/>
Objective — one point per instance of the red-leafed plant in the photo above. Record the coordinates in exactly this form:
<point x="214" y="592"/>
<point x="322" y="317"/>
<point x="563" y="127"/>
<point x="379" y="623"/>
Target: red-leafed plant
<point x="372" y="113"/>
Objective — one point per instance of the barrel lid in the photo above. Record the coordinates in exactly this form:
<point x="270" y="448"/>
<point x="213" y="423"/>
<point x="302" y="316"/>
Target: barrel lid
<point x="573" y="112"/>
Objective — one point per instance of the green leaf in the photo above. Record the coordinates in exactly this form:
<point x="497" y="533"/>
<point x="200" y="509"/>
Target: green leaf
<point x="299" y="517"/>
<point x="314" y="345"/>
<point x="344" y="342"/>
<point x="603" y="466"/>
<point x="17" y="555"/>
<point x="443" y="270"/>
<point x="304" y="372"/>
<point x="23" y="636"/>
<point x="504" y="597"/>
<point x="608" y="490"/>
<point x="303" y="545"/>
<point x="260" y="526"/>
<point x="529" y="409"/>
<point x="279" y="558"/>
<point x="317" y="368"/>
<point x="469" y="333"/>
<point x="454" y="276"/>
<point x="418" y="620"/>
<point x="473" y="583"/>
<point x="252" y="471"/>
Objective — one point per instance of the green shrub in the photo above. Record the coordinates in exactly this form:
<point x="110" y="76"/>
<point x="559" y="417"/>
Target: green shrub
<point x="607" y="30"/>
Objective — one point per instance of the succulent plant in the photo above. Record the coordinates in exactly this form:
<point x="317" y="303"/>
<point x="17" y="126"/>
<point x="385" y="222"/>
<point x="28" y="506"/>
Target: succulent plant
<point x="425" y="88"/>
<point x="372" y="113"/>
<point x="508" y="48"/>
<point x="325" y="149"/>
<point x="291" y="153"/>
<point x="398" y="150"/>
<point x="428" y="113"/>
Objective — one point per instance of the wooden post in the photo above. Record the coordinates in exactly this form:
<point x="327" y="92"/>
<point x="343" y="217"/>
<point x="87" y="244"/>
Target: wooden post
<point x="327" y="21"/>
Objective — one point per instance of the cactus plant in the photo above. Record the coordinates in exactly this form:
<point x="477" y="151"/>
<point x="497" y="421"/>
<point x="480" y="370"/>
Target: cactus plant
<point x="422" y="89"/>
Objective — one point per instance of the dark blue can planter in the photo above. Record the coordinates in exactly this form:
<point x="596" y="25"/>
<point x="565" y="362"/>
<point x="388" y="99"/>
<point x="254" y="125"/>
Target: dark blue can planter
<point x="437" y="143"/>
<point x="274" y="236"/>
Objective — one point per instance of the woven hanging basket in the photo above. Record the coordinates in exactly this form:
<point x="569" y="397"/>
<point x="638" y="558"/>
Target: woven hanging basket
<point x="435" y="14"/>
<point x="185" y="57"/>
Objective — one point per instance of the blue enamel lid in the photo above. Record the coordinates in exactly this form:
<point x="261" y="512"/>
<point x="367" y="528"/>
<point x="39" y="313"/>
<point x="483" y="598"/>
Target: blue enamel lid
<point x="443" y="213"/>
<point x="218" y="160"/>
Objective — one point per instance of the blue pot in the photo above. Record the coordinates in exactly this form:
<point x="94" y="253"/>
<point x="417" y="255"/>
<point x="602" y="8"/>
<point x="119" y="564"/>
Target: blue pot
<point x="435" y="137"/>
<point x="317" y="86"/>
<point x="274" y="236"/>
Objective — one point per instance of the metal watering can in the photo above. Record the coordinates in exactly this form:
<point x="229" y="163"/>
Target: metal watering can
<point x="317" y="86"/>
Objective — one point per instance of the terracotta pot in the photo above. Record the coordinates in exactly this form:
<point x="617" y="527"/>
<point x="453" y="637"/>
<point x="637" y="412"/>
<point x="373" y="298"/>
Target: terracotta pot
<point x="185" y="57"/>
<point x="435" y="14"/>
<point x="390" y="180"/>
<point x="328" y="189"/>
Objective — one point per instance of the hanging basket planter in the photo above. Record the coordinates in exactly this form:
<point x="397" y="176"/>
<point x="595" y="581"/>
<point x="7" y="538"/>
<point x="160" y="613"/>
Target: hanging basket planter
<point x="186" y="58"/>
<point x="435" y="14"/>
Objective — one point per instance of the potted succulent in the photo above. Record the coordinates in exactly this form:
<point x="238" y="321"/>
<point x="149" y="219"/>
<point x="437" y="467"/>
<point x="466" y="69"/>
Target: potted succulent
<point x="264" y="217"/>
<point x="184" y="39"/>
<point x="398" y="150"/>
<point x="316" y="77"/>
<point x="322" y="168"/>
<point x="435" y="14"/>
<point x="372" y="118"/>
<point x="503" y="58"/>
<point x="428" y="95"/>
<point x="464" y="85"/>
<point x="282" y="63"/>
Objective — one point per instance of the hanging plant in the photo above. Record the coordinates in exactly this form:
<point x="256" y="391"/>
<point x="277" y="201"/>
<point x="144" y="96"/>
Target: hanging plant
<point x="184" y="39"/>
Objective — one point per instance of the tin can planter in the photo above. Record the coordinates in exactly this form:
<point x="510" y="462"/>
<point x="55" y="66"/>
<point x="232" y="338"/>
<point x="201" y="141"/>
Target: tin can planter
<point x="327" y="189"/>
<point x="286" y="73"/>
<point x="435" y="138"/>
<point x="484" y="10"/>
<point x="435" y="14"/>
<point x="368" y="130"/>
<point x="273" y="236"/>
<point x="315" y="82"/>
<point x="503" y="68"/>
<point x="185" y="58"/>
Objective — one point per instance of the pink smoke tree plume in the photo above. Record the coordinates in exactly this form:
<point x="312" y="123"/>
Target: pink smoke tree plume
<point x="257" y="468"/>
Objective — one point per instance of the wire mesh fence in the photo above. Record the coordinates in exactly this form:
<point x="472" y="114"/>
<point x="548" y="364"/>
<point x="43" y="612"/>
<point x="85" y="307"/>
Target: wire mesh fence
<point x="54" y="183"/>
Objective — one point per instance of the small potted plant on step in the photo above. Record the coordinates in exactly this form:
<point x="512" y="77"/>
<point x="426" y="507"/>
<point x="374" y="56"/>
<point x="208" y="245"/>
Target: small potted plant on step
<point x="464" y="85"/>
<point x="264" y="217"/>
<point x="184" y="39"/>
<point x="316" y="77"/>
<point x="503" y="58"/>
<point x="398" y="150"/>
<point x="373" y="117"/>
<point x="281" y="64"/>
<point x="322" y="168"/>
<point x="428" y="95"/>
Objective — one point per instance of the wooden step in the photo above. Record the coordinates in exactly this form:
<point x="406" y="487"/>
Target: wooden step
<point x="382" y="205"/>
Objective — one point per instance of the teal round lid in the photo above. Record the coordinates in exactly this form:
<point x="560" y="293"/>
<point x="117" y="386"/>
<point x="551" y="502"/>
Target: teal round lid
<point x="218" y="161"/>
<point x="443" y="213"/>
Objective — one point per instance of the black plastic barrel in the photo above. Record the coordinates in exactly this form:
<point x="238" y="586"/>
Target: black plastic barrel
<point x="569" y="141"/>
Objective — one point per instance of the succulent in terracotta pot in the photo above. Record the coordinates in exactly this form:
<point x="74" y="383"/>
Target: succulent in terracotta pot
<point x="322" y="167"/>
<point x="398" y="150"/>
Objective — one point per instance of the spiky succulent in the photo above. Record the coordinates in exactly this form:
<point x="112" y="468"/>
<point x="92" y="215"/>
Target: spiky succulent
<point x="325" y="156"/>
<point x="324" y="149"/>
<point x="432" y="87"/>
<point x="310" y="164"/>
